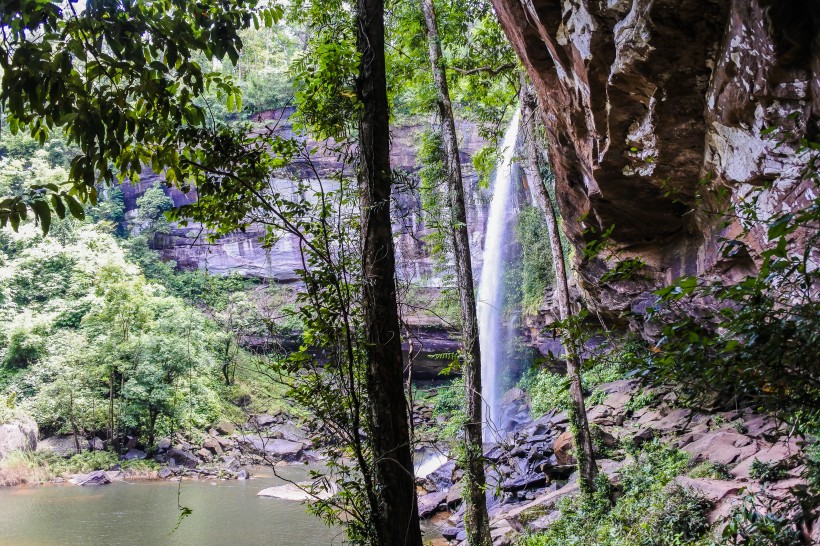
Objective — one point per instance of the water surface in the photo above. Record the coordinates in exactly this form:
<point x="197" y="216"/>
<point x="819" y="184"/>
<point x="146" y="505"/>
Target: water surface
<point x="145" y="513"/>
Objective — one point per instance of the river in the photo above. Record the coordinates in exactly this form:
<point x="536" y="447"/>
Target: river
<point x="145" y="513"/>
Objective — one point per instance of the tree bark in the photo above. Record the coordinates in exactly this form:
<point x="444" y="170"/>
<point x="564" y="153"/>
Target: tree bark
<point x="396" y="518"/>
<point x="475" y="516"/>
<point x="580" y="426"/>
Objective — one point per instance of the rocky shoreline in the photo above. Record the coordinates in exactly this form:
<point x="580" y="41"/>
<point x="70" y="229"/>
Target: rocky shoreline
<point x="532" y="467"/>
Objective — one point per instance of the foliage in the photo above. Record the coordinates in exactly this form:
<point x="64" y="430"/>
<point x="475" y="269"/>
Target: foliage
<point x="708" y="469"/>
<point x="151" y="208"/>
<point x="649" y="510"/>
<point x="537" y="272"/>
<point x="86" y="326"/>
<point x="758" y="346"/>
<point x="758" y="521"/>
<point x="645" y="398"/>
<point x="120" y="83"/>
<point x="609" y="361"/>
<point x="767" y="472"/>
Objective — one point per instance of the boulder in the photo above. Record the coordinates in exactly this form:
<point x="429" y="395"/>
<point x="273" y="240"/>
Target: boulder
<point x="205" y="455"/>
<point x="562" y="448"/>
<point x="62" y="445"/>
<point x="19" y="434"/>
<point x="442" y="477"/>
<point x="517" y="483"/>
<point x="302" y="491"/>
<point x="98" y="477"/>
<point x="276" y="448"/>
<point x="454" y="496"/>
<point x="225" y="427"/>
<point x="429" y="503"/>
<point x="262" y="420"/>
<point x="450" y="533"/>
<point x="165" y="473"/>
<point x="722" y="447"/>
<point x="243" y="474"/>
<point x="213" y="445"/>
<point x="95" y="444"/>
<point x="181" y="457"/>
<point x="134" y="454"/>
<point x="163" y="445"/>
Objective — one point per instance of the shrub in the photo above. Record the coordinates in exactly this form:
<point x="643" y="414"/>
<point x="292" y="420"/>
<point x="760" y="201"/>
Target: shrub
<point x="650" y="511"/>
<point x="25" y="346"/>
<point x="767" y="472"/>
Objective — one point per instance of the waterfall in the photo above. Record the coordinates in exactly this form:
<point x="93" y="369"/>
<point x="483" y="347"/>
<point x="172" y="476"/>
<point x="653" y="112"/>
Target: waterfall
<point x="491" y="289"/>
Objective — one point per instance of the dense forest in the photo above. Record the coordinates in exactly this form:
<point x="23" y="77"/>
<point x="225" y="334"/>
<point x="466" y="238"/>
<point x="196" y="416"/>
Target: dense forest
<point x="476" y="272"/>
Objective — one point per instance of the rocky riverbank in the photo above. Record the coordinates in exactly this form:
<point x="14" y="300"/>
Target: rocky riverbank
<point x="533" y="467"/>
<point x="224" y="451"/>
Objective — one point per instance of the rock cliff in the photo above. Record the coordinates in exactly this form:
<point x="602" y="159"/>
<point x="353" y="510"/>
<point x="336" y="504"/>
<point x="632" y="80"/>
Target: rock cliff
<point x="243" y="254"/>
<point x="650" y="105"/>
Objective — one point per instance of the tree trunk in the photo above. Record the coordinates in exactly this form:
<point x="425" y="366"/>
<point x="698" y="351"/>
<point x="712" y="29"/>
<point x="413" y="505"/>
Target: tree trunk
<point x="475" y="516"/>
<point x="111" y="406"/>
<point x="396" y="518"/>
<point x="579" y="424"/>
<point x="74" y="428"/>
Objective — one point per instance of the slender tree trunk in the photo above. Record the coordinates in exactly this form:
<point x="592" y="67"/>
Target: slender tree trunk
<point x="396" y="517"/>
<point x="579" y="424"/>
<point x="475" y="515"/>
<point x="74" y="429"/>
<point x="111" y="406"/>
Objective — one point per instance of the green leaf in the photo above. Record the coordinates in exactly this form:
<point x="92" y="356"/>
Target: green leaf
<point x="74" y="207"/>
<point x="58" y="205"/>
<point x="43" y="214"/>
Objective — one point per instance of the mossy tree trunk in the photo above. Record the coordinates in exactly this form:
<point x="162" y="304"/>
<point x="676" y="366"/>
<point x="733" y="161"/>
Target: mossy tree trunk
<point x="587" y="468"/>
<point x="475" y="516"/>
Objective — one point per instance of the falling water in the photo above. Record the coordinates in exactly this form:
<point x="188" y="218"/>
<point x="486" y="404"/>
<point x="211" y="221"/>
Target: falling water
<point x="491" y="289"/>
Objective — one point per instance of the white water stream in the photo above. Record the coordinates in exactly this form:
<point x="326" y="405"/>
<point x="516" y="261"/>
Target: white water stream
<point x="491" y="290"/>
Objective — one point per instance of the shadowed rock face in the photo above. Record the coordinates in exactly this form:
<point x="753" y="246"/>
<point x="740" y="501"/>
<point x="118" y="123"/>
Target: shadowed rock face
<point x="643" y="99"/>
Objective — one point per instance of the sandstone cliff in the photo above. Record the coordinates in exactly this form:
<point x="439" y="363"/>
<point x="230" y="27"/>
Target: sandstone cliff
<point x="650" y="103"/>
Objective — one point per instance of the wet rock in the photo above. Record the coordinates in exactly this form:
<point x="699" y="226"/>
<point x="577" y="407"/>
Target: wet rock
<point x="450" y="533"/>
<point x="275" y="448"/>
<point x="454" y="496"/>
<point x="442" y="477"/>
<point x="243" y="474"/>
<point x="165" y="473"/>
<point x="535" y="479"/>
<point x="98" y="477"/>
<point x="429" y="504"/>
<point x="181" y="457"/>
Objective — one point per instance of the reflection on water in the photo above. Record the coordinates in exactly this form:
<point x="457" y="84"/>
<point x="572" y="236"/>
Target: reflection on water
<point x="145" y="513"/>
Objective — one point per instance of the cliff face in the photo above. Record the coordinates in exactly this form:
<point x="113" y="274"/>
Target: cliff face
<point x="649" y="103"/>
<point x="242" y="253"/>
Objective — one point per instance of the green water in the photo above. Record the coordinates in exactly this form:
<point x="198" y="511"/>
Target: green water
<point x="145" y="513"/>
